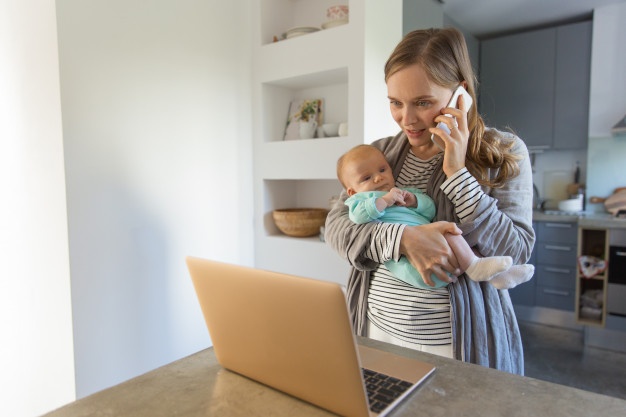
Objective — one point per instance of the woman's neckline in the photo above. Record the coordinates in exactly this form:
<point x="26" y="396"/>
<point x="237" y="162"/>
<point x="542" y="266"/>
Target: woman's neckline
<point x="428" y="159"/>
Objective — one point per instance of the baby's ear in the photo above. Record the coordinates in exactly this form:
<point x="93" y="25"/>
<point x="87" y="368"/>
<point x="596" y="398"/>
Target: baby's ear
<point x="350" y="191"/>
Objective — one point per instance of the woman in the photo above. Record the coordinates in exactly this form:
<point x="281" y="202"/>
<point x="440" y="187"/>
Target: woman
<point x="482" y="187"/>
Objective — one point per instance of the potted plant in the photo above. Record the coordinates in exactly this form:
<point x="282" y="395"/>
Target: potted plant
<point x="307" y="115"/>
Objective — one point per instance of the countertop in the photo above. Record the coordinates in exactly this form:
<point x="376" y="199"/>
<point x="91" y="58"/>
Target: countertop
<point x="198" y="386"/>
<point x="586" y="219"/>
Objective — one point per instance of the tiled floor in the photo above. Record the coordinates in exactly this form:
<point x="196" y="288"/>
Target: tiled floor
<point x="558" y="355"/>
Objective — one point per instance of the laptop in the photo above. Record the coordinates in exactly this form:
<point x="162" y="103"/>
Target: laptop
<point x="294" y="335"/>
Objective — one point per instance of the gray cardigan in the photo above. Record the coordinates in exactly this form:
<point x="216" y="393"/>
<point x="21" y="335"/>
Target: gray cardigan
<point x="484" y="326"/>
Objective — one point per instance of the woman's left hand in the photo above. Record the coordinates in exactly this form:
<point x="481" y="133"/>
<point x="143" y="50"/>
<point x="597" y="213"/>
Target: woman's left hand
<point x="456" y="142"/>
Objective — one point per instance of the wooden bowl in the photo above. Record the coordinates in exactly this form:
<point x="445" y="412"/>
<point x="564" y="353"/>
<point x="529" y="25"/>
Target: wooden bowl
<point x="300" y="222"/>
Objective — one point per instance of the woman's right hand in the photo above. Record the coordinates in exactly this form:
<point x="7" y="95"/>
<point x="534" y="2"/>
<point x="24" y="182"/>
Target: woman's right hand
<point x="428" y="251"/>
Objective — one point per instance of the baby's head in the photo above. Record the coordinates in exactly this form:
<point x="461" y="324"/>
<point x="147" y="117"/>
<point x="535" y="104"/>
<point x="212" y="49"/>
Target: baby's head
<point x="364" y="168"/>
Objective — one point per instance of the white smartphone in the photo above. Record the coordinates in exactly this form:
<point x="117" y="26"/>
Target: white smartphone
<point x="452" y="103"/>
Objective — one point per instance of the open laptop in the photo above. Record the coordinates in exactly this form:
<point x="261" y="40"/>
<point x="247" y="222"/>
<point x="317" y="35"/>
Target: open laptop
<point x="294" y="334"/>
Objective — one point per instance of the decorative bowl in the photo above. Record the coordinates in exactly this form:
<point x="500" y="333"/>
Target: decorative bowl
<point x="300" y="222"/>
<point x="331" y="129"/>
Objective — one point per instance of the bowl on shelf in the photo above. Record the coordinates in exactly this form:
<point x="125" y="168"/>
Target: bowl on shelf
<point x="300" y="222"/>
<point x="331" y="129"/>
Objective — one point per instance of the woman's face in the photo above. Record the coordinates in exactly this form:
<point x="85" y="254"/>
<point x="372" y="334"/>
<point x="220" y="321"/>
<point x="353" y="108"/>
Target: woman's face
<point x="415" y="101"/>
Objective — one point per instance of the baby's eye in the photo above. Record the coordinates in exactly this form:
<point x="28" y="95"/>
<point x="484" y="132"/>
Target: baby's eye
<point x="367" y="178"/>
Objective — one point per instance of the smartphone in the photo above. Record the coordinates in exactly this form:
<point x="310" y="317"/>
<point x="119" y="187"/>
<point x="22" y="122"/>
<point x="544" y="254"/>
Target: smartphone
<point x="453" y="103"/>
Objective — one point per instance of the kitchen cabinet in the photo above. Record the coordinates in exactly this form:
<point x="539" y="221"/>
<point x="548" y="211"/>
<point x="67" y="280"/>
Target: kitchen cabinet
<point x="555" y="270"/>
<point x="605" y="322"/>
<point x="572" y="86"/>
<point x="607" y="288"/>
<point x="342" y="66"/>
<point x="537" y="84"/>
<point x="524" y="294"/>
<point x="554" y="256"/>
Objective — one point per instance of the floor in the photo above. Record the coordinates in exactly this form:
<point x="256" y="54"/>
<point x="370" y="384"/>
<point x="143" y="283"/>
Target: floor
<point x="558" y="355"/>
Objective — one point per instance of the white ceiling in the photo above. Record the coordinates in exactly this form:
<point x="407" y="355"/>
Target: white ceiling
<point x="483" y="18"/>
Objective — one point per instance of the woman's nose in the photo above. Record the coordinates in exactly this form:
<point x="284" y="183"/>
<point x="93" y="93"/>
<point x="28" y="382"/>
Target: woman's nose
<point x="409" y="116"/>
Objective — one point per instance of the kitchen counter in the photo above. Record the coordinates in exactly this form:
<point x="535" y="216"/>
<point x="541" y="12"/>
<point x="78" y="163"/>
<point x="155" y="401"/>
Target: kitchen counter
<point x="587" y="219"/>
<point x="198" y="386"/>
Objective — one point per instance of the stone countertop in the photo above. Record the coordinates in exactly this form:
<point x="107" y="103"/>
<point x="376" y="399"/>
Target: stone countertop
<point x="587" y="219"/>
<point x="198" y="386"/>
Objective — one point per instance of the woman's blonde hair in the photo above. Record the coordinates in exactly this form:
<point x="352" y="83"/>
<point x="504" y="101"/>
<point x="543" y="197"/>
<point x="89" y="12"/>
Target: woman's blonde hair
<point x="443" y="55"/>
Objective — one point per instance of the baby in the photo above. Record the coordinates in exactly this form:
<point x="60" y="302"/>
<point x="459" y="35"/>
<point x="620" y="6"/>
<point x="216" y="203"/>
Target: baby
<point x="368" y="179"/>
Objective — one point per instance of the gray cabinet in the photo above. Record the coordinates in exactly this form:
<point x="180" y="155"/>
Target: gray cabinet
<point x="555" y="268"/>
<point x="515" y="91"/>
<point x="554" y="257"/>
<point x="537" y="84"/>
<point x="524" y="294"/>
<point x="573" y="69"/>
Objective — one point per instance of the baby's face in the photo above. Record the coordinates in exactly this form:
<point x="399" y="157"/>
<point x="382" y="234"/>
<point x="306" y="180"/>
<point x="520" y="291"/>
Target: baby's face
<point x="368" y="171"/>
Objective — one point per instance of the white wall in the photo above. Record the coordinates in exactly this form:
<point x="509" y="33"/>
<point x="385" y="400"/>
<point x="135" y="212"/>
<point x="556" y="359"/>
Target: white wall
<point x="156" y="120"/>
<point x="607" y="104"/>
<point x="36" y="355"/>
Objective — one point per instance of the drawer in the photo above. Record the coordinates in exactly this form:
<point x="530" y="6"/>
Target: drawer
<point x="556" y="276"/>
<point x="523" y="294"/>
<point x="556" y="254"/>
<point x="555" y="297"/>
<point x="557" y="232"/>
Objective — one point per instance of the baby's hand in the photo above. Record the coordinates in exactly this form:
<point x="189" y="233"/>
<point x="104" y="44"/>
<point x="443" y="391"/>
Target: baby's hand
<point x="394" y="196"/>
<point x="410" y="200"/>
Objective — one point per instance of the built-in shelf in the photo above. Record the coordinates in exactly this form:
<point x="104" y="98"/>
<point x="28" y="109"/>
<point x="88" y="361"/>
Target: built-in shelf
<point x="329" y="86"/>
<point x="342" y="66"/>
<point x="278" y="16"/>
<point x="309" y="193"/>
<point x="592" y="242"/>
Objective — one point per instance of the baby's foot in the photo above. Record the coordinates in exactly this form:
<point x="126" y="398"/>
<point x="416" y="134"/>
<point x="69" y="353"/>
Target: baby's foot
<point x="515" y="275"/>
<point x="482" y="269"/>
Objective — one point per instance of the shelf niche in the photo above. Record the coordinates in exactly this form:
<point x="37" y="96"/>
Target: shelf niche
<point x="592" y="242"/>
<point x="330" y="86"/>
<point x="278" y="16"/>
<point x="282" y="194"/>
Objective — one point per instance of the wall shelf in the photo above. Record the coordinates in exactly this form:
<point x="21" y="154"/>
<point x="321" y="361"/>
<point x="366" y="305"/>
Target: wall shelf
<point x="343" y="66"/>
<point x="592" y="242"/>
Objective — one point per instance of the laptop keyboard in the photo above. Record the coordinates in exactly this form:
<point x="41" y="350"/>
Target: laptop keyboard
<point x="382" y="389"/>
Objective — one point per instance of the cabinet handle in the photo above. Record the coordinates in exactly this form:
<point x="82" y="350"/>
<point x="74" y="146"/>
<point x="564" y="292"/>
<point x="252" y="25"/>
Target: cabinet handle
<point x="620" y="253"/>
<point x="554" y="247"/>
<point x="559" y="270"/>
<point x="556" y="292"/>
<point x="559" y="225"/>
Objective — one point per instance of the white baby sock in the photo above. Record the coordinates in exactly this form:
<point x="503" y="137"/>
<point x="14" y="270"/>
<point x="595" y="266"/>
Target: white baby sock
<point x="481" y="269"/>
<point x="515" y="275"/>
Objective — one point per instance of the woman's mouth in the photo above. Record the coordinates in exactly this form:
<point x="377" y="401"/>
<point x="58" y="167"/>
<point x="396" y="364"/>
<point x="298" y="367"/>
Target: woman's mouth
<point x="413" y="133"/>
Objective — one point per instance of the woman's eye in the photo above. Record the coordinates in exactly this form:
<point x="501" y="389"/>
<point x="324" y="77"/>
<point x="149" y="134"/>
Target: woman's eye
<point x="422" y="103"/>
<point x="395" y="103"/>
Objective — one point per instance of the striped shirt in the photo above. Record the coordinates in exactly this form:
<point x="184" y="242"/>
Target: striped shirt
<point x="409" y="313"/>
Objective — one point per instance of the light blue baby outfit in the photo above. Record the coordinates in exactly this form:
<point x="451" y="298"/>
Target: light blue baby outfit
<point x="362" y="209"/>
